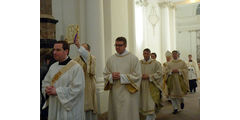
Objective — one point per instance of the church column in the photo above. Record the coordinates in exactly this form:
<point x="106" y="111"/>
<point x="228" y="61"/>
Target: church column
<point x="47" y="25"/>
<point x="131" y="27"/>
<point x="95" y="33"/>
<point x="165" y="29"/>
<point x="173" y="27"/>
<point x="95" y="37"/>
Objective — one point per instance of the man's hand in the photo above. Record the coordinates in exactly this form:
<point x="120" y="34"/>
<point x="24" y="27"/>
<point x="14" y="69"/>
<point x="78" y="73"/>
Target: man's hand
<point x="51" y="90"/>
<point x="77" y="43"/>
<point x="116" y="76"/>
<point x="48" y="89"/>
<point x="145" y="76"/>
<point x="175" y="71"/>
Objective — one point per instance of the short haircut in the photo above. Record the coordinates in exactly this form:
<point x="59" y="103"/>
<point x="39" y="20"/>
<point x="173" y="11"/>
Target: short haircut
<point x="123" y="39"/>
<point x="154" y="54"/>
<point x="64" y="43"/>
<point x="189" y="55"/>
<point x="89" y="48"/>
<point x="147" y="49"/>
<point x="176" y="52"/>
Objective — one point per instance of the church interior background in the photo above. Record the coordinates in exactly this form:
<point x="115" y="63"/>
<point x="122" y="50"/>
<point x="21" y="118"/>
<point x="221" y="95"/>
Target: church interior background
<point x="159" y="25"/>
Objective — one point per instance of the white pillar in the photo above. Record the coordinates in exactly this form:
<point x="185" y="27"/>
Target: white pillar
<point x="107" y="28"/>
<point x="165" y="30"/>
<point x="94" y="33"/>
<point x="131" y="27"/>
<point x="172" y="28"/>
<point x="95" y="37"/>
<point x="165" y="27"/>
<point x="168" y="28"/>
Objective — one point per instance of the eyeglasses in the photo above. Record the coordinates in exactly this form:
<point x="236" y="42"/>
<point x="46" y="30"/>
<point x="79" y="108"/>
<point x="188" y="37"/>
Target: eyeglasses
<point x="119" y="45"/>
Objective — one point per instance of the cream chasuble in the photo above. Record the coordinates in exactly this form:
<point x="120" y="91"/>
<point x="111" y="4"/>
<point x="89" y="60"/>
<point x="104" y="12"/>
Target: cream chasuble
<point x="150" y="102"/>
<point x="177" y="83"/>
<point x="124" y="93"/>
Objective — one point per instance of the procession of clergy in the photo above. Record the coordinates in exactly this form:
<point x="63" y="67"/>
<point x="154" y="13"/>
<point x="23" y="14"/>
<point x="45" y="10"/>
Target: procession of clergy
<point x="135" y="86"/>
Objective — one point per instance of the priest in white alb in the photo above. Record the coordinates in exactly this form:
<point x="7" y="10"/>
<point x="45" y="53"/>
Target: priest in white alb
<point x="150" y="102"/>
<point x="122" y="77"/>
<point x="88" y="62"/>
<point x="64" y="85"/>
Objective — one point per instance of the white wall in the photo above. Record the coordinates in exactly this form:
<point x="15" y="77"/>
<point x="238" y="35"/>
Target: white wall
<point x="187" y="25"/>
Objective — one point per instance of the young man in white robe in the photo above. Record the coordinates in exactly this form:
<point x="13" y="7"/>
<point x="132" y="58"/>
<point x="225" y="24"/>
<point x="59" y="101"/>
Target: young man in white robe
<point x="150" y="101"/>
<point x="64" y="86"/>
<point x="154" y="57"/>
<point x="122" y="77"/>
<point x="88" y="62"/>
<point x="193" y="73"/>
<point x="177" y="81"/>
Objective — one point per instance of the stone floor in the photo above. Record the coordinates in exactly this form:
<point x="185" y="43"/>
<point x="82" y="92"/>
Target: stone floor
<point x="191" y="110"/>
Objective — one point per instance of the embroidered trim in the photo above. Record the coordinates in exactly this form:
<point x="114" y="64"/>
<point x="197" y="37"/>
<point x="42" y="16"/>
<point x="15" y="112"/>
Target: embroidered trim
<point x="62" y="71"/>
<point x="132" y="87"/>
<point x="147" y="112"/>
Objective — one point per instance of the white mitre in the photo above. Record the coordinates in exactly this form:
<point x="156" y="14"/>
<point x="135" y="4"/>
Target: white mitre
<point x="168" y="53"/>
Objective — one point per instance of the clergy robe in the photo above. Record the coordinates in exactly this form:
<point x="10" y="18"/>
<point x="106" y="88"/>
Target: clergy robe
<point x="177" y="83"/>
<point x="150" y="102"/>
<point x="88" y="62"/>
<point x="124" y="93"/>
<point x="68" y="104"/>
<point x="193" y="72"/>
<point x="164" y="81"/>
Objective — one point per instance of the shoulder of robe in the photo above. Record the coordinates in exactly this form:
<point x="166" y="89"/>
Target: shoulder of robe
<point x="156" y="62"/>
<point x="110" y="58"/>
<point x="76" y="58"/>
<point x="53" y="65"/>
<point x="76" y="64"/>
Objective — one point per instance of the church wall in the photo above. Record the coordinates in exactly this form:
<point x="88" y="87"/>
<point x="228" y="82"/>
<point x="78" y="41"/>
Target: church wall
<point x="187" y="25"/>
